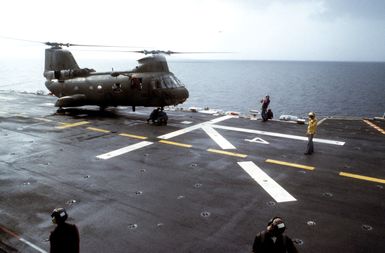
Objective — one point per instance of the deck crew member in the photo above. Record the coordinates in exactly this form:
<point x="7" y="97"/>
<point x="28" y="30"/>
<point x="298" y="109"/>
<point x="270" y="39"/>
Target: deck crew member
<point x="65" y="237"/>
<point x="265" y="104"/>
<point x="272" y="240"/>
<point x="311" y="130"/>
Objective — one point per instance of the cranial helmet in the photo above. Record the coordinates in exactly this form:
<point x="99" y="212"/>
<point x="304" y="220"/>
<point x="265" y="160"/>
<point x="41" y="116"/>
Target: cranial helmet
<point x="59" y="215"/>
<point x="276" y="229"/>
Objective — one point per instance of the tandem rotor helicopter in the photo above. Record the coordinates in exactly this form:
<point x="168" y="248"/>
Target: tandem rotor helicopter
<point x="150" y="84"/>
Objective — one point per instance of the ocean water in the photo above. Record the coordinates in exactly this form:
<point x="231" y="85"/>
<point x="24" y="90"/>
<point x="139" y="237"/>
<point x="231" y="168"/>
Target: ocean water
<point x="295" y="88"/>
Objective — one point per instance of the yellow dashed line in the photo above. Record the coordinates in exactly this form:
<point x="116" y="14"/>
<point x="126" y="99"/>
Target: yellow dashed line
<point x="372" y="179"/>
<point x="68" y="125"/>
<point x="98" y="130"/>
<point x="133" y="136"/>
<point x="43" y="119"/>
<point x="226" y="153"/>
<point x="379" y="129"/>
<point x="176" y="144"/>
<point x="300" y="166"/>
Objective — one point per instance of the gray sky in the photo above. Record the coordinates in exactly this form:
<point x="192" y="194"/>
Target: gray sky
<point x="342" y="30"/>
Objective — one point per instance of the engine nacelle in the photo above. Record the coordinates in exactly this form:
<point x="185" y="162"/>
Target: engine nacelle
<point x="66" y="74"/>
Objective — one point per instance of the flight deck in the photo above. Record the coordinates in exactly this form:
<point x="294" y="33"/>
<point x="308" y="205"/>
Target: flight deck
<point x="203" y="183"/>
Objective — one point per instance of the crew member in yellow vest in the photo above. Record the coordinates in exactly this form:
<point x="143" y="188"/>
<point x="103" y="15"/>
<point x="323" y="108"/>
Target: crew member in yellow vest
<point x="311" y="130"/>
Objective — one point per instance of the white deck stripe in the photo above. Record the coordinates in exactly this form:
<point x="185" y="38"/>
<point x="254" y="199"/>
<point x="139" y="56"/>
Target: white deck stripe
<point x="124" y="150"/>
<point x="288" y="136"/>
<point x="194" y="127"/>
<point x="321" y="121"/>
<point x="276" y="191"/>
<point x="216" y="120"/>
<point x="219" y="139"/>
<point x="179" y="132"/>
<point x="32" y="245"/>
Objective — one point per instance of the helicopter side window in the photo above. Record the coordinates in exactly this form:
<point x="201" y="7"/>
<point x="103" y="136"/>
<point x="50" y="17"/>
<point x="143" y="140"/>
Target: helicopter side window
<point x="152" y="85"/>
<point x="116" y="87"/>
<point x="158" y="85"/>
<point x="136" y="83"/>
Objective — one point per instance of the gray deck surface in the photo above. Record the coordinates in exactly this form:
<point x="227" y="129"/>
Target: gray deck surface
<point x="165" y="197"/>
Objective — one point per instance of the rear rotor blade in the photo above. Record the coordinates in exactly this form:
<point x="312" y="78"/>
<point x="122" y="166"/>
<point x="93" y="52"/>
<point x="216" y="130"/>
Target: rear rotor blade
<point x="61" y="44"/>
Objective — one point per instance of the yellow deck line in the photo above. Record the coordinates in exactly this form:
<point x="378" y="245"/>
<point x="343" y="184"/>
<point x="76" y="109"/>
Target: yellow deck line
<point x="379" y="129"/>
<point x="176" y="144"/>
<point x="44" y="119"/>
<point x="68" y="125"/>
<point x="133" y="136"/>
<point x="300" y="166"/>
<point x="98" y="130"/>
<point x="372" y="179"/>
<point x="226" y="153"/>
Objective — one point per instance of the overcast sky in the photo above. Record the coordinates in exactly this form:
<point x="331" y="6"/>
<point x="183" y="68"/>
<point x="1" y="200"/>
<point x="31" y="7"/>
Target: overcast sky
<point x="342" y="30"/>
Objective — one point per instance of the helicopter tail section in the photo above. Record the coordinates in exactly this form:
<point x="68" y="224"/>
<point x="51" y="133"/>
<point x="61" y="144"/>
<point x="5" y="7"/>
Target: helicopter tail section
<point x="60" y="64"/>
<point x="59" y="59"/>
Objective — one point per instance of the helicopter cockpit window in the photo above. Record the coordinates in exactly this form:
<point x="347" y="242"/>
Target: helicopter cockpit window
<point x="176" y="81"/>
<point x="170" y="83"/>
<point x="166" y="82"/>
<point x="162" y="83"/>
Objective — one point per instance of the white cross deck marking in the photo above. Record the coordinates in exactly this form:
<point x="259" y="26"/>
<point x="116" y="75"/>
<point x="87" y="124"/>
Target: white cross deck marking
<point x="124" y="150"/>
<point x="219" y="139"/>
<point x="192" y="128"/>
<point x="208" y="127"/>
<point x="276" y="191"/>
<point x="288" y="136"/>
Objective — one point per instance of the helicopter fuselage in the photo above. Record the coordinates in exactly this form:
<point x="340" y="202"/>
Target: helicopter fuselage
<point x="150" y="84"/>
<point x="128" y="89"/>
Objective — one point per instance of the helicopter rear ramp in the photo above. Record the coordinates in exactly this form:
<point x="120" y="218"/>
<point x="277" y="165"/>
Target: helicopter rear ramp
<point x="203" y="183"/>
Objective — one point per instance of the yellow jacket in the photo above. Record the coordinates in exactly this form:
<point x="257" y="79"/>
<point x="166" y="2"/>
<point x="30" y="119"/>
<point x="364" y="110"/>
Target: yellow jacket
<point x="312" y="126"/>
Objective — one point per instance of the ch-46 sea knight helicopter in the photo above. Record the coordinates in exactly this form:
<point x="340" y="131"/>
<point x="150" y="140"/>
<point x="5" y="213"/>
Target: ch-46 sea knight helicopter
<point x="150" y="84"/>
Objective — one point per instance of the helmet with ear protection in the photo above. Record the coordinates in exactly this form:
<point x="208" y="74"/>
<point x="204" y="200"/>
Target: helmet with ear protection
<point x="59" y="215"/>
<point x="276" y="228"/>
<point x="272" y="220"/>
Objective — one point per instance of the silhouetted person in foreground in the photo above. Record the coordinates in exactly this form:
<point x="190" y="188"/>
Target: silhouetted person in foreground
<point x="65" y="237"/>
<point x="272" y="240"/>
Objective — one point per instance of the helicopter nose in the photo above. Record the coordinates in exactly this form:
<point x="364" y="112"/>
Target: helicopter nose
<point x="184" y="93"/>
<point x="175" y="96"/>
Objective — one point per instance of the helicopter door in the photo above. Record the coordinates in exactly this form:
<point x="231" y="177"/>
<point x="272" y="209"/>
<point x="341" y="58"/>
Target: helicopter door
<point x="136" y="83"/>
<point x="138" y="86"/>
